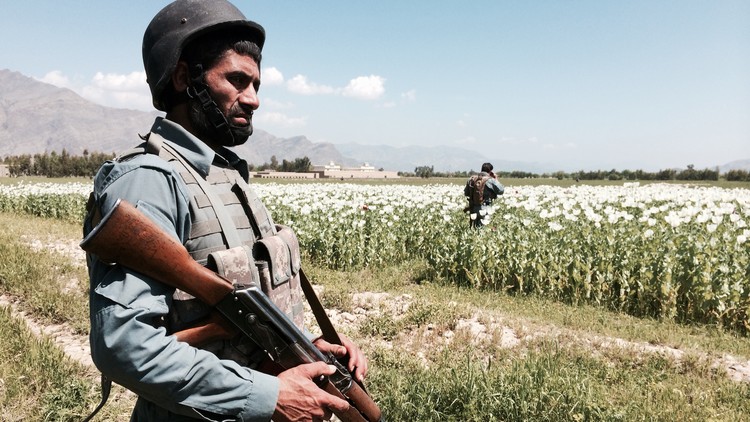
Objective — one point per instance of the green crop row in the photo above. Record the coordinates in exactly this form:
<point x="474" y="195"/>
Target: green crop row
<point x="665" y="251"/>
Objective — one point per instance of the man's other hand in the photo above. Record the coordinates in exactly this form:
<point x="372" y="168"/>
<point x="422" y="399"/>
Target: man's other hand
<point x="357" y="363"/>
<point x="300" y="399"/>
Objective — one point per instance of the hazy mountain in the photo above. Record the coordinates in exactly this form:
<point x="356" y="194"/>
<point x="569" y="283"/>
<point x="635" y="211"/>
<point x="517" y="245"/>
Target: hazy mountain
<point x="735" y="165"/>
<point x="36" y="117"/>
<point x="442" y="158"/>
<point x="262" y="145"/>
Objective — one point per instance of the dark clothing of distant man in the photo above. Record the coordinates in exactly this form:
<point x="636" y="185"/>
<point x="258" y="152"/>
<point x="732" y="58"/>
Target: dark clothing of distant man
<point x="478" y="208"/>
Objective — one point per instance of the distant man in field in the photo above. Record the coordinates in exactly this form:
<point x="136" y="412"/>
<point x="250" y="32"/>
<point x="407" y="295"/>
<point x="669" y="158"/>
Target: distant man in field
<point x="202" y="61"/>
<point x="481" y="189"/>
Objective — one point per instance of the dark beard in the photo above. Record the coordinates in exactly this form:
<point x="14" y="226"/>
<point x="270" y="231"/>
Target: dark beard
<point x="205" y="130"/>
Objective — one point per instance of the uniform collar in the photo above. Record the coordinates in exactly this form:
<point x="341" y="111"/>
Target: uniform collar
<point x="195" y="151"/>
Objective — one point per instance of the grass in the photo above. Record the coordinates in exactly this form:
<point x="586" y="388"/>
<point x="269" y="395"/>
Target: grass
<point x="42" y="278"/>
<point x="38" y="382"/>
<point x="561" y="376"/>
<point x="418" y="372"/>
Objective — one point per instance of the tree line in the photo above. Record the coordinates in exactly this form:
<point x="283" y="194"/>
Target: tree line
<point x="52" y="164"/>
<point x="688" y="174"/>
<point x="299" y="165"/>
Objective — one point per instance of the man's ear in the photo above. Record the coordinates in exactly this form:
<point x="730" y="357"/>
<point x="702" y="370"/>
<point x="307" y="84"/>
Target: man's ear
<point x="180" y="77"/>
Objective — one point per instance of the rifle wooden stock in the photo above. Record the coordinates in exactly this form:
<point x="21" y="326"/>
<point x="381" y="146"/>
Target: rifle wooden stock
<point x="367" y="410"/>
<point x="127" y="237"/>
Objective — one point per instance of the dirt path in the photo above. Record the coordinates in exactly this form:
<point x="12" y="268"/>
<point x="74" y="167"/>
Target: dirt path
<point x="368" y="304"/>
<point x="75" y="346"/>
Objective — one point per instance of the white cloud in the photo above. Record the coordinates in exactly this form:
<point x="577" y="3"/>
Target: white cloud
<point x="280" y="119"/>
<point x="57" y="78"/>
<point x="271" y="76"/>
<point x="118" y="82"/>
<point x="270" y="103"/>
<point x="110" y="89"/>
<point x="365" y="87"/>
<point x="410" y="95"/>
<point x="300" y="85"/>
<point x="119" y="90"/>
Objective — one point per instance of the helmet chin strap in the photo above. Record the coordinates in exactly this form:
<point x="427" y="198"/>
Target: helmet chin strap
<point x="198" y="89"/>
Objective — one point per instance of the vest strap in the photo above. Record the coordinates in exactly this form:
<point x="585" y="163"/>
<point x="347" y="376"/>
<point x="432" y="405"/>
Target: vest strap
<point x="228" y="228"/>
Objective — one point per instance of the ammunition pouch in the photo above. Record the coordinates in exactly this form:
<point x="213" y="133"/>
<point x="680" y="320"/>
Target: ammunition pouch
<point x="273" y="264"/>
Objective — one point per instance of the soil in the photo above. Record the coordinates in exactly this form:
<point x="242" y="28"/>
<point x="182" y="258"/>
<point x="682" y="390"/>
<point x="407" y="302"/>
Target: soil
<point x="481" y="327"/>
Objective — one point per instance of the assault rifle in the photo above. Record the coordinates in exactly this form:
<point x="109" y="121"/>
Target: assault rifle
<point x="127" y="237"/>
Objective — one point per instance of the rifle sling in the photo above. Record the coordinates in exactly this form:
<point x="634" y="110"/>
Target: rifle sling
<point x="329" y="333"/>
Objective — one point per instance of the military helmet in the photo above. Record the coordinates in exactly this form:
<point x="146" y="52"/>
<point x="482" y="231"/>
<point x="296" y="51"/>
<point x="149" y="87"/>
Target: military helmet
<point x="179" y="23"/>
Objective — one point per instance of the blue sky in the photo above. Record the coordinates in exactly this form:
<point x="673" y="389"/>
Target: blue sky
<point x="586" y="84"/>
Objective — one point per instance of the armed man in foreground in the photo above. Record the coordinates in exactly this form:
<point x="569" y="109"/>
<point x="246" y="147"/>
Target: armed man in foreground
<point x="156" y="338"/>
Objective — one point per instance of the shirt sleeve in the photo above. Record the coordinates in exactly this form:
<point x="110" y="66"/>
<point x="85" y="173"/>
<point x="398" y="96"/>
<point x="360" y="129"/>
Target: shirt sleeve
<point x="496" y="186"/>
<point x="128" y="345"/>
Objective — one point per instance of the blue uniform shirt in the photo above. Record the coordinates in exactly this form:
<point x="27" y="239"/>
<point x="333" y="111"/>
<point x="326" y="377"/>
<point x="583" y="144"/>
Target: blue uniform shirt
<point x="127" y="343"/>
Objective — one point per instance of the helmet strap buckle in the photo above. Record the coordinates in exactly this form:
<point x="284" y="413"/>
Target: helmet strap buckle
<point x="198" y="89"/>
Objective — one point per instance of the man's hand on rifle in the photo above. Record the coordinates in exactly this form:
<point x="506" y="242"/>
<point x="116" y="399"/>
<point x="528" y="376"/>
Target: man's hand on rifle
<point x="300" y="399"/>
<point x="357" y="362"/>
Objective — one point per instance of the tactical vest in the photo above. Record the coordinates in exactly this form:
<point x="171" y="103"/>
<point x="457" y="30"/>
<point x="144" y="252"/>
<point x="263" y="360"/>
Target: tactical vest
<point x="232" y="233"/>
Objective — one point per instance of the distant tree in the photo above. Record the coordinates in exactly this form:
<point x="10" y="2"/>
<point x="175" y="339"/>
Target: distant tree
<point x="689" y="174"/>
<point x="424" y="171"/>
<point x="668" y="174"/>
<point x="302" y="165"/>
<point x="521" y="175"/>
<point x="738" y="176"/>
<point x="299" y="165"/>
<point x="614" y="175"/>
<point x="559" y="175"/>
<point x="628" y="175"/>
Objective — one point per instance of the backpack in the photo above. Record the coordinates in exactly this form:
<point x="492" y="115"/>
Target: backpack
<point x="476" y="188"/>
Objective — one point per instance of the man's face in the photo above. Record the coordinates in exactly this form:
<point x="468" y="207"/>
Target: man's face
<point x="233" y="84"/>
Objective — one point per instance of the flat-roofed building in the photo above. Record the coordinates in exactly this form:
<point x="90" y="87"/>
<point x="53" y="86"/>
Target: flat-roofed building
<point x="270" y="174"/>
<point x="365" y="171"/>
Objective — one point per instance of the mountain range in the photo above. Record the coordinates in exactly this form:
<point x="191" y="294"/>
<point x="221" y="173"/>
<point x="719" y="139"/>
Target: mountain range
<point x="36" y="117"/>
